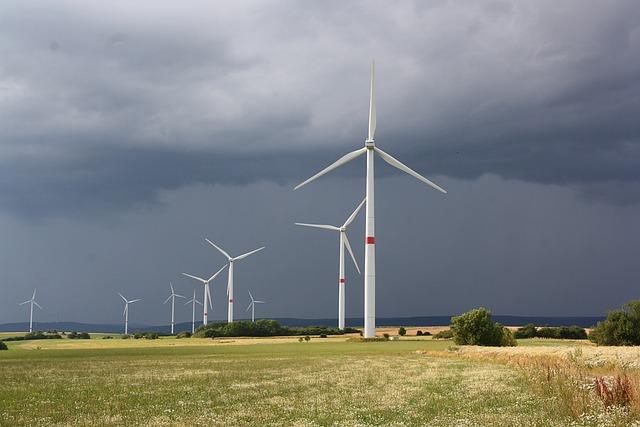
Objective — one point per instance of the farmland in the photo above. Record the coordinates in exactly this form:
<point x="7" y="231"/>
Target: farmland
<point x="279" y="381"/>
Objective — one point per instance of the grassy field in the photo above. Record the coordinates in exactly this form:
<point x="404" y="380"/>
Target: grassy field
<point x="273" y="382"/>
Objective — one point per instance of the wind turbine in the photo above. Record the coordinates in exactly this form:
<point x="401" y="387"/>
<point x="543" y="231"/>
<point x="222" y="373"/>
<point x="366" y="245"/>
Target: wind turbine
<point x="252" y="306"/>
<point x="207" y="292"/>
<point x="172" y="297"/>
<point x="230" y="280"/>
<point x="370" y="252"/>
<point x="125" y="313"/>
<point x="31" y="302"/>
<point x="344" y="242"/>
<point x="193" y="301"/>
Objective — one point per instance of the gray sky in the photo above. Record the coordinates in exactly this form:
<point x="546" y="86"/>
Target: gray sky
<point x="132" y="131"/>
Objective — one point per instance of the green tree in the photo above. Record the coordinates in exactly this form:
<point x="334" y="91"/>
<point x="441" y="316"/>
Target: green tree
<point x="621" y="327"/>
<point x="476" y="327"/>
<point x="402" y="331"/>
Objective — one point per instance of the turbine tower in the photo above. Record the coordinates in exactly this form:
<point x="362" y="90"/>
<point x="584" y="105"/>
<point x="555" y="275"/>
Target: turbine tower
<point x="207" y="292"/>
<point x="126" y="312"/>
<point x="230" y="279"/>
<point x="31" y="302"/>
<point x="370" y="252"/>
<point x="193" y="301"/>
<point x="252" y="306"/>
<point x="172" y="297"/>
<point x="344" y="242"/>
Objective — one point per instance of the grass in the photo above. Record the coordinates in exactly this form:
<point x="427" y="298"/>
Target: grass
<point x="276" y="381"/>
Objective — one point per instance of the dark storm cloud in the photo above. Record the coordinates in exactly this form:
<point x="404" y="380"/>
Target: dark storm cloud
<point x="103" y="107"/>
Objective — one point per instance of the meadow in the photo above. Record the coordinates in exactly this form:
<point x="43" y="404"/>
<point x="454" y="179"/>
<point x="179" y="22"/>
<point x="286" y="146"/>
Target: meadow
<point x="281" y="381"/>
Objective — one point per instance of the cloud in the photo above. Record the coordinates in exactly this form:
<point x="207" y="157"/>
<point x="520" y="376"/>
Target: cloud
<point x="103" y="106"/>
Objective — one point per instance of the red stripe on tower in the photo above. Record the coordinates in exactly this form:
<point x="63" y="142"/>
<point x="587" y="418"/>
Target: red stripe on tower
<point x="371" y="240"/>
<point x="230" y="300"/>
<point x="342" y="280"/>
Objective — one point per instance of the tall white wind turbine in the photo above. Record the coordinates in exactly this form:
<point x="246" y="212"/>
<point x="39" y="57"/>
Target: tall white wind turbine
<point x="230" y="279"/>
<point x="193" y="301"/>
<point x="344" y="242"/>
<point x="370" y="252"/>
<point x="172" y="297"/>
<point x="31" y="302"/>
<point x="252" y="306"/>
<point x="125" y="313"/>
<point x="208" y="301"/>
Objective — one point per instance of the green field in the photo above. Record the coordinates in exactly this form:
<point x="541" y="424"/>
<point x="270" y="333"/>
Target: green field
<point x="263" y="382"/>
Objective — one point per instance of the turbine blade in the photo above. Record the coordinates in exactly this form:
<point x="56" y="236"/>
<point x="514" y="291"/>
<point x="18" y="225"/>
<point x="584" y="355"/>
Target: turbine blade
<point x="126" y="308"/>
<point x="179" y="296"/>
<point x="341" y="161"/>
<point x="354" y="214"/>
<point x="209" y="296"/>
<point x="34" y="294"/>
<point x="248" y="253"/>
<point x="249" y="307"/>
<point x="397" y="164"/>
<point x="198" y="302"/>
<point x="26" y="302"/>
<point x="199" y="279"/>
<point x="348" y="246"/>
<point x="135" y="300"/>
<point x="218" y="248"/>
<point x="188" y="302"/>
<point x="323" y="226"/>
<point x="372" y="103"/>
<point x="125" y="300"/>
<point x="259" y="302"/>
<point x="171" y="286"/>
<point x="250" y="296"/>
<point x="167" y="300"/>
<point x="217" y="272"/>
<point x="38" y="305"/>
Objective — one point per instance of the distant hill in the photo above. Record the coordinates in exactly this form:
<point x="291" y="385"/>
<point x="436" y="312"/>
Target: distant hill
<point x="584" y="321"/>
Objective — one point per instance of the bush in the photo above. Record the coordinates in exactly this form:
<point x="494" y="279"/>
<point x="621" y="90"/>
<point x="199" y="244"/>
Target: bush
<point x="446" y="334"/>
<point x="263" y="328"/>
<point x="107" y="337"/>
<point x="307" y="338"/>
<point x="527" y="331"/>
<point x="34" y="336"/>
<point x="476" y="327"/>
<point x="419" y="333"/>
<point x="185" y="334"/>
<point x="138" y="335"/>
<point x="3" y="346"/>
<point x="426" y="333"/>
<point x="402" y="331"/>
<point x="151" y="335"/>
<point x="125" y="336"/>
<point x="386" y="336"/>
<point x="323" y="335"/>
<point x="621" y="327"/>
<point x="78" y="336"/>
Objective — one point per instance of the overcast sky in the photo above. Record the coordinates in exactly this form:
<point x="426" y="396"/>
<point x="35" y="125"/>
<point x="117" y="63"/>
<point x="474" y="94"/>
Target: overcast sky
<point x="132" y="131"/>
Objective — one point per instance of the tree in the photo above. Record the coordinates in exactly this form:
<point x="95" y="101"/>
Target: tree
<point x="621" y="327"/>
<point x="3" y="346"/>
<point x="476" y="327"/>
<point x="402" y="331"/>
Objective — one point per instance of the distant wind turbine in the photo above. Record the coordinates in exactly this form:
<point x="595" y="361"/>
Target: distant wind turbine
<point x="344" y="242"/>
<point x="370" y="252"/>
<point x="252" y="306"/>
<point x="193" y="301"/>
<point x="207" y="292"/>
<point x="172" y="297"/>
<point x="125" y="313"/>
<point x="31" y="302"/>
<point x="230" y="280"/>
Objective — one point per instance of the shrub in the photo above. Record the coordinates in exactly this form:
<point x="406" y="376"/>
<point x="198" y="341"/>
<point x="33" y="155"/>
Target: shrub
<point x="621" y="327"/>
<point x="184" y="334"/>
<point x="476" y="327"/>
<point x="446" y="334"/>
<point x="125" y="336"/>
<point x="107" y="337"/>
<point x="3" y="346"/>
<point x="263" y="328"/>
<point x="402" y="331"/>
<point x="323" y="335"/>
<point x="151" y="335"/>
<point x="419" y="333"/>
<point x="386" y="336"/>
<point x="78" y="336"/>
<point x="427" y="333"/>
<point x="527" y="331"/>
<point x="138" y="335"/>
<point x="300" y="339"/>
<point x="307" y="338"/>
